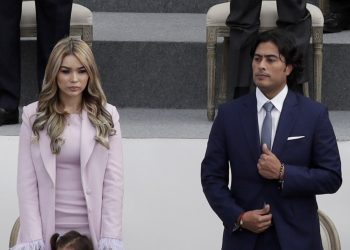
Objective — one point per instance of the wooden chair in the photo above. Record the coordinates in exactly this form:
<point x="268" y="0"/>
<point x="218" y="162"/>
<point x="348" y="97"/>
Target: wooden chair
<point x="324" y="6"/>
<point x="329" y="234"/>
<point x="80" y="25"/>
<point x="216" y="27"/>
<point x="14" y="233"/>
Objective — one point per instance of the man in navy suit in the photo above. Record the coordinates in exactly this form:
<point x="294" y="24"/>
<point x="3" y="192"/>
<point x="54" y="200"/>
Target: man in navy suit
<point x="277" y="159"/>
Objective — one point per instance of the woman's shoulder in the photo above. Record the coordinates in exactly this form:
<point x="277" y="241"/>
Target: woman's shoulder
<point x="113" y="111"/>
<point x="111" y="108"/>
<point x="31" y="108"/>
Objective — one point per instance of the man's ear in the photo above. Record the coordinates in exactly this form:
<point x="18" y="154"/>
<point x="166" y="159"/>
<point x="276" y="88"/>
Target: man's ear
<point x="288" y="69"/>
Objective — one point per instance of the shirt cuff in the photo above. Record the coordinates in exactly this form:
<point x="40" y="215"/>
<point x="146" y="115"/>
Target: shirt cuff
<point x="110" y="244"/>
<point x="237" y="225"/>
<point x="34" y="245"/>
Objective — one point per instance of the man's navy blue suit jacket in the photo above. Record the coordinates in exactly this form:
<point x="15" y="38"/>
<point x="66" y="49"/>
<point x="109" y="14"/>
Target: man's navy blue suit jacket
<point x="312" y="166"/>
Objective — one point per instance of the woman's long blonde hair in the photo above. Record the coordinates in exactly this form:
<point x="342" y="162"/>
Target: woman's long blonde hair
<point x="49" y="114"/>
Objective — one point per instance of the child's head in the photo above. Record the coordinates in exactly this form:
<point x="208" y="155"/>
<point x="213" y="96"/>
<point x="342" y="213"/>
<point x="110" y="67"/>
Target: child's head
<point x="70" y="241"/>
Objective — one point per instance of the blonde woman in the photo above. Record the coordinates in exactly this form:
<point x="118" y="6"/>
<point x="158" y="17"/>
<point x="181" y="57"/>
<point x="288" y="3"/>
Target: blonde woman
<point x="70" y="174"/>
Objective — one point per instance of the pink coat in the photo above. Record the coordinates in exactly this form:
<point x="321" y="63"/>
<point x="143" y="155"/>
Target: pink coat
<point x="102" y="179"/>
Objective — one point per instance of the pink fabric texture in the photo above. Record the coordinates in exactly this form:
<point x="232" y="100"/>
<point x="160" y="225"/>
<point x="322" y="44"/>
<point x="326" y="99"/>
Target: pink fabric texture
<point x="70" y="209"/>
<point x="101" y="177"/>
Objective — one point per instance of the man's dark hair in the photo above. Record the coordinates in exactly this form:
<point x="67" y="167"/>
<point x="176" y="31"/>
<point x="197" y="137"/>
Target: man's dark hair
<point x="286" y="44"/>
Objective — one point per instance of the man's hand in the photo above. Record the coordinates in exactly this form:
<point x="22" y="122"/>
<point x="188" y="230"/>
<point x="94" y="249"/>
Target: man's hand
<point x="257" y="221"/>
<point x="269" y="165"/>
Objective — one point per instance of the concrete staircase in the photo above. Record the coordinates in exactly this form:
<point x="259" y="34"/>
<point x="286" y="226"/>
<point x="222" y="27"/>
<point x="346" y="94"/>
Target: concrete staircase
<point x="152" y="54"/>
<point x="150" y="6"/>
<point x="154" y="6"/>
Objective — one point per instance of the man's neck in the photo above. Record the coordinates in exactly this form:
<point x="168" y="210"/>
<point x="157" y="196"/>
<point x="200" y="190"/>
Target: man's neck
<point x="271" y="93"/>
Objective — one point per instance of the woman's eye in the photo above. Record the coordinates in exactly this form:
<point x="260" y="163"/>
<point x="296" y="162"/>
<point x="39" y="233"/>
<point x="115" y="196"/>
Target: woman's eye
<point x="65" y="71"/>
<point x="82" y="71"/>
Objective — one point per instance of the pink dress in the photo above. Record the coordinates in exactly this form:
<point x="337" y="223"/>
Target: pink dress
<point x="70" y="209"/>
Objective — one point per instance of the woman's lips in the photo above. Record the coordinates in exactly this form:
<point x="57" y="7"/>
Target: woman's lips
<point x="73" y="88"/>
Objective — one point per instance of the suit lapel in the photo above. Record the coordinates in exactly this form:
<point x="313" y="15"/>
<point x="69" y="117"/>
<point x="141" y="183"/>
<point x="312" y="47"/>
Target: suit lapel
<point x="286" y="122"/>
<point x="47" y="156"/>
<point x="88" y="133"/>
<point x="250" y="124"/>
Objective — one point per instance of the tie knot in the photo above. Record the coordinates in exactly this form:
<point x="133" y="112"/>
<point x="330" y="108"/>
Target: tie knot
<point x="268" y="106"/>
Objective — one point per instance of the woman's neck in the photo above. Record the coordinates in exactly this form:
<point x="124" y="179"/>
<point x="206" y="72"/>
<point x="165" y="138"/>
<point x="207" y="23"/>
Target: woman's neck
<point x="71" y="106"/>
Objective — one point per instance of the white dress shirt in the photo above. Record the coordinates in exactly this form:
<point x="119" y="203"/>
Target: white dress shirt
<point x="277" y="102"/>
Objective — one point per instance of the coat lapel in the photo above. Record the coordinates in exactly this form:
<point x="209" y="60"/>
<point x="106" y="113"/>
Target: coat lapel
<point x="88" y="133"/>
<point x="286" y="122"/>
<point x="47" y="156"/>
<point x="250" y="124"/>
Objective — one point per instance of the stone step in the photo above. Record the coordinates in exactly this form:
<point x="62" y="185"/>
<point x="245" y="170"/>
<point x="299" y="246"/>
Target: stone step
<point x="181" y="124"/>
<point x="161" y="61"/>
<point x="150" y="6"/>
<point x="154" y="6"/>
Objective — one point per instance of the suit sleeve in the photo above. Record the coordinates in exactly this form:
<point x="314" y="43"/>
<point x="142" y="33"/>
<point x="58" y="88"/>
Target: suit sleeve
<point x="27" y="186"/>
<point x="112" y="200"/>
<point x="324" y="173"/>
<point x="215" y="175"/>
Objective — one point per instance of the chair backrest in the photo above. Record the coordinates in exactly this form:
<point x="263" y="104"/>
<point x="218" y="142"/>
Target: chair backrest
<point x="14" y="234"/>
<point x="329" y="234"/>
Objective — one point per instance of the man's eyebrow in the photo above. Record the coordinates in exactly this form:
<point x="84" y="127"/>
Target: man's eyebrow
<point x="268" y="55"/>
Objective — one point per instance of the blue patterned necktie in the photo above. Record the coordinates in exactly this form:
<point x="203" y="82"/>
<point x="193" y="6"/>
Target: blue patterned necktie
<point x="266" y="130"/>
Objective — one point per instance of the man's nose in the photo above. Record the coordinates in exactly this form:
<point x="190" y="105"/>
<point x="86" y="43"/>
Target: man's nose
<point x="262" y="64"/>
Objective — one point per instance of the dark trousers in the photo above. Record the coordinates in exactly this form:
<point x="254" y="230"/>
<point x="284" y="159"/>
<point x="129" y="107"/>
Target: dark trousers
<point x="244" y="25"/>
<point x="341" y="6"/>
<point x="268" y="240"/>
<point x="53" y="22"/>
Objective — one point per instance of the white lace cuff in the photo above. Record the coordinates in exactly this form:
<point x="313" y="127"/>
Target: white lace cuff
<point x="34" y="245"/>
<point x="110" y="244"/>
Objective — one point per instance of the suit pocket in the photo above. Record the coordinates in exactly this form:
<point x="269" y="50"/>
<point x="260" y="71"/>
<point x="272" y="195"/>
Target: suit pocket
<point x="297" y="152"/>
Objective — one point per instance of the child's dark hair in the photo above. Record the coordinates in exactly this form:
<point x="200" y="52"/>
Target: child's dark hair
<point x="72" y="240"/>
